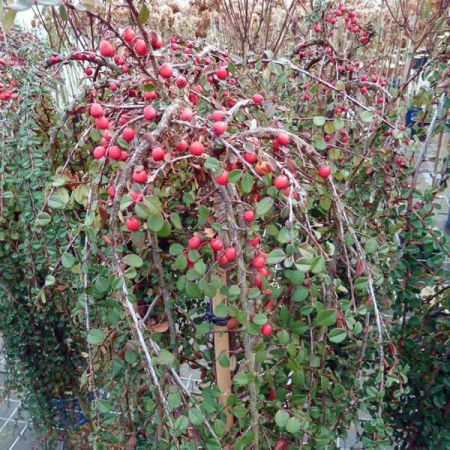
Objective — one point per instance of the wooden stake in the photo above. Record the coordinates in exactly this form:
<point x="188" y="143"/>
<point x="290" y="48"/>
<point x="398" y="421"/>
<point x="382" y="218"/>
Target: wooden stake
<point x="223" y="374"/>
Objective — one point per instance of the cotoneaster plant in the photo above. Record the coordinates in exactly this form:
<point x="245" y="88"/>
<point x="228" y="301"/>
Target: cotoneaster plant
<point x="259" y="182"/>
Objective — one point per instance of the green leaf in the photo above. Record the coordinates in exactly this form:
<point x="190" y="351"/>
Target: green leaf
<point x="275" y="256"/>
<point x="300" y="294"/>
<point x="371" y="245"/>
<point x="366" y="116"/>
<point x="143" y="15"/>
<point x="180" y="424"/>
<point x="247" y="183"/>
<point x="325" y="318"/>
<point x="329" y="127"/>
<point x="196" y="416"/>
<point x="155" y="222"/>
<point x="241" y="379"/>
<point x="337" y="335"/>
<point x="96" y="336"/>
<point x="319" y="121"/>
<point x="293" y="425"/>
<point x="50" y="280"/>
<point x="68" y="260"/>
<point x="133" y="260"/>
<point x="176" y="249"/>
<point x="281" y="418"/>
<point x="260" y="319"/>
<point x="165" y="358"/>
<point x="224" y="361"/>
<point x="264" y="206"/>
<point x="44" y="219"/>
<point x="234" y="175"/>
<point x="212" y="163"/>
<point x="200" y="267"/>
<point x="318" y="264"/>
<point x="59" y="199"/>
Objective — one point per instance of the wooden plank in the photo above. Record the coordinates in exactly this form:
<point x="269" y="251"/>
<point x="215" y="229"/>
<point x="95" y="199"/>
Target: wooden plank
<point x="223" y="374"/>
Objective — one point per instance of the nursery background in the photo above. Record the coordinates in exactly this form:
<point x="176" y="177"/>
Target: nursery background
<point x="224" y="224"/>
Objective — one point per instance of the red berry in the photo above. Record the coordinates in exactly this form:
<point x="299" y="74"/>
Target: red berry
<point x="181" y="146"/>
<point x="136" y="196"/>
<point x="250" y="157"/>
<point x="254" y="242"/>
<point x="258" y="262"/>
<point x="266" y="329"/>
<point x="230" y="253"/>
<point x="218" y="116"/>
<point x="166" y="70"/>
<point x="222" y="73"/>
<point x="140" y="47"/>
<point x="222" y="179"/>
<point x="271" y="394"/>
<point x="283" y="139"/>
<point x="128" y="134"/>
<point x="219" y="128"/>
<point x="216" y="245"/>
<point x="324" y="172"/>
<point x="248" y="216"/>
<point x="157" y="44"/>
<point x="186" y="114"/>
<point x="317" y="27"/>
<point x="140" y="177"/>
<point x="128" y="35"/>
<point x="123" y="155"/>
<point x="194" y="242"/>
<point x="258" y="99"/>
<point x="363" y="90"/>
<point x="133" y="224"/>
<point x="158" y="153"/>
<point x="181" y="82"/>
<point x="264" y="271"/>
<point x="150" y="113"/>
<point x="102" y="123"/>
<point x="106" y="49"/>
<point x="99" y="152"/>
<point x="111" y="191"/>
<point x="96" y="110"/>
<point x="281" y="182"/>
<point x="114" y="152"/>
<point x="196" y="148"/>
<point x="223" y="260"/>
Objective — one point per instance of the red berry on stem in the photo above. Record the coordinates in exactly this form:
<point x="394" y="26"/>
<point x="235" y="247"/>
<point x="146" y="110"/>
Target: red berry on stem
<point x="133" y="224"/>
<point x="194" y="242"/>
<point x="140" y="47"/>
<point x="230" y="253"/>
<point x="324" y="172"/>
<point x="102" y="123"/>
<point x="258" y="262"/>
<point x="96" y="110"/>
<point x="128" y="35"/>
<point x="115" y="152"/>
<point x="266" y="329"/>
<point x="248" y="216"/>
<point x="283" y="139"/>
<point x="196" y="148"/>
<point x="222" y="179"/>
<point x="106" y="49"/>
<point x="150" y="113"/>
<point x="216" y="244"/>
<point x="140" y="177"/>
<point x="222" y="73"/>
<point x="166" y="70"/>
<point x="99" y="152"/>
<point x="219" y="128"/>
<point x="158" y="153"/>
<point x="128" y="134"/>
<point x="218" y="116"/>
<point x="281" y="182"/>
<point x="258" y="99"/>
